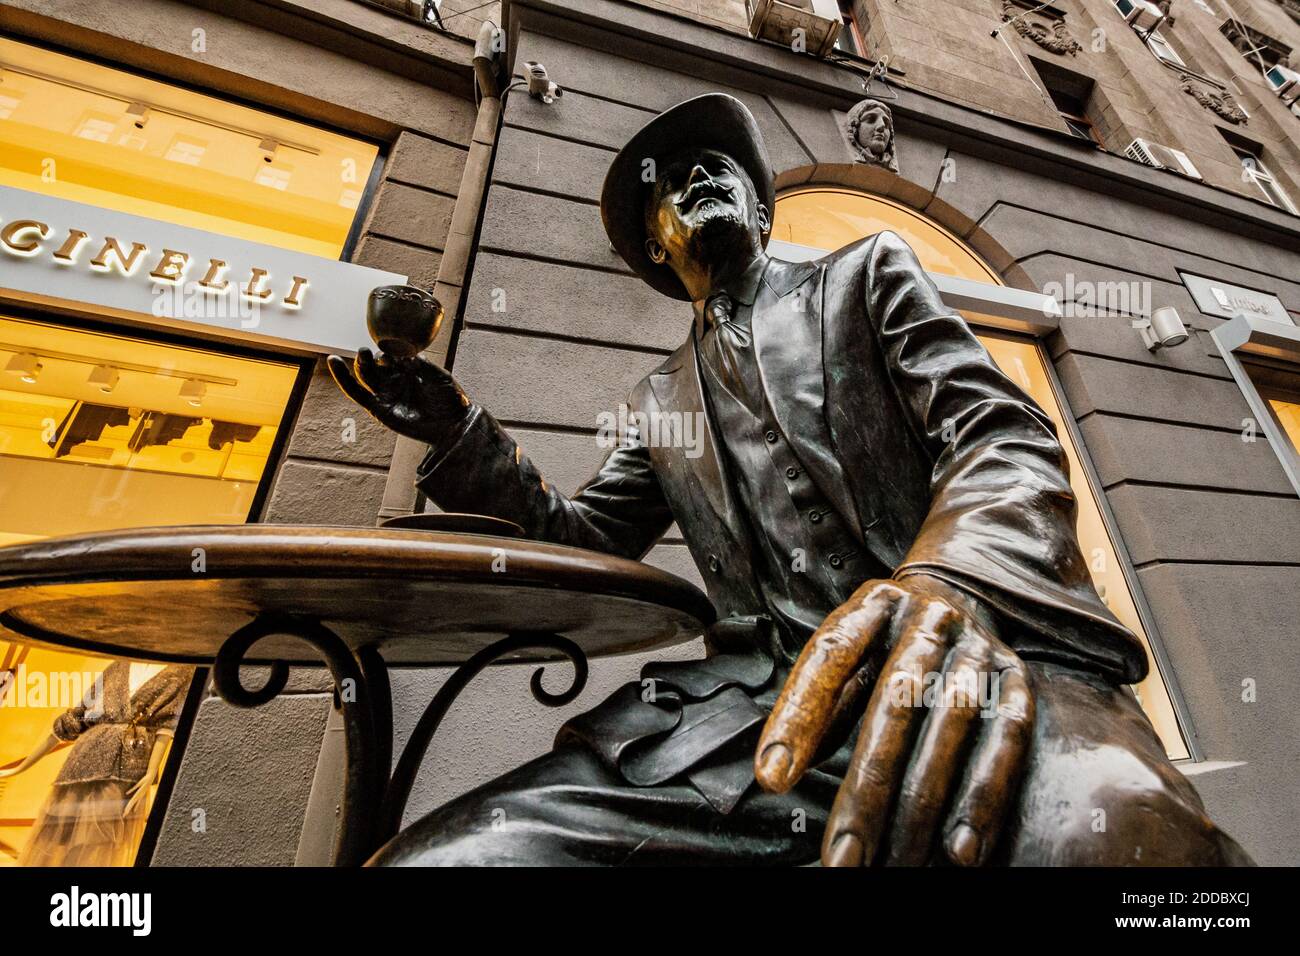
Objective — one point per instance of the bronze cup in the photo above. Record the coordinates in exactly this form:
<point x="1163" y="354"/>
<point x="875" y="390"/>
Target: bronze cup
<point x="403" y="320"/>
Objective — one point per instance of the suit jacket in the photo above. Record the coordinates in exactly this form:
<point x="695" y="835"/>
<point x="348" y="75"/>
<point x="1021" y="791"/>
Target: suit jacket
<point x="939" y="462"/>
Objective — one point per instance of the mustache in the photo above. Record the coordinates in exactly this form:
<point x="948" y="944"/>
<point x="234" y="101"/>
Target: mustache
<point x="702" y="189"/>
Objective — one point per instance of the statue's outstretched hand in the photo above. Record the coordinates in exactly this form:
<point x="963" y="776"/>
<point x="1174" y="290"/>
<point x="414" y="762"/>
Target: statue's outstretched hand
<point x="411" y="396"/>
<point x="944" y="737"/>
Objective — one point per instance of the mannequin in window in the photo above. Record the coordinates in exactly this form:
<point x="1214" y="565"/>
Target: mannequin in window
<point x="95" y="812"/>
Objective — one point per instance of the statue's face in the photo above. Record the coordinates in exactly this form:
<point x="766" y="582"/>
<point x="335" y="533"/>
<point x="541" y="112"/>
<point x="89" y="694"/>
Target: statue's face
<point x="703" y="204"/>
<point x="874" y="130"/>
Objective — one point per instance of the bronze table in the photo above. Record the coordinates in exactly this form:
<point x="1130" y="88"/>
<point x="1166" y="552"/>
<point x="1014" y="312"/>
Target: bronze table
<point x="358" y="600"/>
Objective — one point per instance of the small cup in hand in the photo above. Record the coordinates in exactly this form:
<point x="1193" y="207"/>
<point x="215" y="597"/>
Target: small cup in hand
<point x="403" y="320"/>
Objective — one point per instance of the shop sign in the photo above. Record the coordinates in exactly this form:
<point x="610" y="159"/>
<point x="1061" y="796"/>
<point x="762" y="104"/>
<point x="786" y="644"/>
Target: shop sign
<point x="1228" y="301"/>
<point x="68" y="254"/>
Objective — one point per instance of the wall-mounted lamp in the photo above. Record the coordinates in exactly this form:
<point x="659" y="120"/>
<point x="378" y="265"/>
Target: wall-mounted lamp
<point x="540" y="86"/>
<point x="268" y="148"/>
<point x="139" y="114"/>
<point x="1164" y="329"/>
<point x="193" y="390"/>
<point x="26" y="366"/>
<point x="105" y="376"/>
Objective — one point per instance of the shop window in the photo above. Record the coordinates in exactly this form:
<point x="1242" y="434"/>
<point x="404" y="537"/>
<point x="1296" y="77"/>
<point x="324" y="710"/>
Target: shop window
<point x="1280" y="390"/>
<point x="102" y="431"/>
<point x="108" y="138"/>
<point x="826" y="219"/>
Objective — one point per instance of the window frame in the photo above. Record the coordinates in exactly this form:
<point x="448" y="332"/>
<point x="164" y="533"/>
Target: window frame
<point x="1254" y="170"/>
<point x="1248" y="337"/>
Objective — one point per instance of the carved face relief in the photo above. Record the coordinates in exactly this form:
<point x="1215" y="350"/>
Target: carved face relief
<point x="1220" y="102"/>
<point x="869" y="133"/>
<point x="1046" y="27"/>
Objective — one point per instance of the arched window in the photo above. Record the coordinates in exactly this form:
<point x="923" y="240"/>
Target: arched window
<point x="809" y="221"/>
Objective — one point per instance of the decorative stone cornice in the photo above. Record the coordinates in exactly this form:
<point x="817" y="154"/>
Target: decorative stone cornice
<point x="1045" y="27"/>
<point x="1218" y="101"/>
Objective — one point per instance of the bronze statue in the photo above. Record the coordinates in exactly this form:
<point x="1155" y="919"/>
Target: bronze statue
<point x="869" y="133"/>
<point x="911" y="663"/>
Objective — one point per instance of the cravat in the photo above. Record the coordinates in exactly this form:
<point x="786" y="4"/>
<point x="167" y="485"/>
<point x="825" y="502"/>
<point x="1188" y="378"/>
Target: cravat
<point x="727" y="340"/>
<point x="720" y="309"/>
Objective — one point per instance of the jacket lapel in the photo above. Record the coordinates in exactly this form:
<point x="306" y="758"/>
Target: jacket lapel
<point x="677" y="388"/>
<point x="787" y="326"/>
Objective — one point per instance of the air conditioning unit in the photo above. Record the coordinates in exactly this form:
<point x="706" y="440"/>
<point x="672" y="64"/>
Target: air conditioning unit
<point x="810" y="26"/>
<point x="1140" y="14"/>
<point x="1163" y="157"/>
<point x="1285" y="83"/>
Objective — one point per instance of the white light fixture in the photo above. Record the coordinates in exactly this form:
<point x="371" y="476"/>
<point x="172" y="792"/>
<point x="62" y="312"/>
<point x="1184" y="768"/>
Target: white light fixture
<point x="194" y="389"/>
<point x="105" y="376"/>
<point x="1164" y="329"/>
<point x="540" y="86"/>
<point x="268" y="147"/>
<point x="26" y="366"/>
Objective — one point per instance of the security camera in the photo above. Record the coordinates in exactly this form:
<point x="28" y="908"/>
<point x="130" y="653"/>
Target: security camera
<point x="540" y="86"/>
<point x="1163" y="330"/>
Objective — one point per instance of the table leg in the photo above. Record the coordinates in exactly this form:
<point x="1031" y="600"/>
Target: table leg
<point x="413" y="754"/>
<point x="363" y="782"/>
<point x="374" y="800"/>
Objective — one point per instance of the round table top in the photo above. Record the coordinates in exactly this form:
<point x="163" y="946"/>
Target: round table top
<point x="422" y="598"/>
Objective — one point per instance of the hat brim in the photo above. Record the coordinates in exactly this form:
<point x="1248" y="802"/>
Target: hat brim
<point x="712" y="121"/>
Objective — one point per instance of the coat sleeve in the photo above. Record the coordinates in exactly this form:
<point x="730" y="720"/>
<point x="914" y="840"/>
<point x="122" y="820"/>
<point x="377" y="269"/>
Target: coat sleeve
<point x="621" y="510"/>
<point x="1002" y="516"/>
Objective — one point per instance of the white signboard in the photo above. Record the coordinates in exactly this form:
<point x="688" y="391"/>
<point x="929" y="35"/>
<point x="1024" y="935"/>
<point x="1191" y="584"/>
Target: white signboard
<point x="1229" y="301"/>
<point x="68" y="254"/>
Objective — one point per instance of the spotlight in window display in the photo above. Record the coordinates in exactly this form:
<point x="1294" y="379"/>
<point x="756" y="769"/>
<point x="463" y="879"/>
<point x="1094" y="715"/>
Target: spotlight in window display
<point x="105" y="377"/>
<point x="403" y="320"/>
<point x="193" y="390"/>
<point x="26" y="366"/>
<point x="139" y="114"/>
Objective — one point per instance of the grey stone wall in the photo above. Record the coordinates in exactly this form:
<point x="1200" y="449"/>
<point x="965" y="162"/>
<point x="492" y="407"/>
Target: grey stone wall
<point x="1209" y="521"/>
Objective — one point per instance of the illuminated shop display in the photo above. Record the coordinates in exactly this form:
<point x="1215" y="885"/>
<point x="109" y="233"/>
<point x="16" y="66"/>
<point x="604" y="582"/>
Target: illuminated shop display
<point x="124" y="197"/>
<point x="92" y="134"/>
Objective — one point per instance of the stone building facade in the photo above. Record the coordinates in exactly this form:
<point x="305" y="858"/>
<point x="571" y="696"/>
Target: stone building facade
<point x="1018" y="146"/>
<point x="1208" y="520"/>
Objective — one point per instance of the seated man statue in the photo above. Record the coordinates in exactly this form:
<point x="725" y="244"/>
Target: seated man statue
<point x="911" y="664"/>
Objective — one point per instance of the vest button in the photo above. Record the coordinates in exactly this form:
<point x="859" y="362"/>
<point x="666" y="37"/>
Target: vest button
<point x="792" y="472"/>
<point x="770" y="436"/>
<point x="714" y="563"/>
<point x="815" y="517"/>
<point x="836" y="561"/>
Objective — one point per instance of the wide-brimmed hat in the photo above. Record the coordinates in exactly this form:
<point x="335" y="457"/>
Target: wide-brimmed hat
<point x="712" y="121"/>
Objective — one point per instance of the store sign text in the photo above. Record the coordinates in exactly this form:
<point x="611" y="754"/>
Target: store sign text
<point x="31" y="238"/>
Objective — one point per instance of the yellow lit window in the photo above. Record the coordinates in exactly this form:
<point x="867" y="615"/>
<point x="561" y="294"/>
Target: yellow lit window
<point x="101" y="431"/>
<point x="827" y="219"/>
<point x="93" y="134"/>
